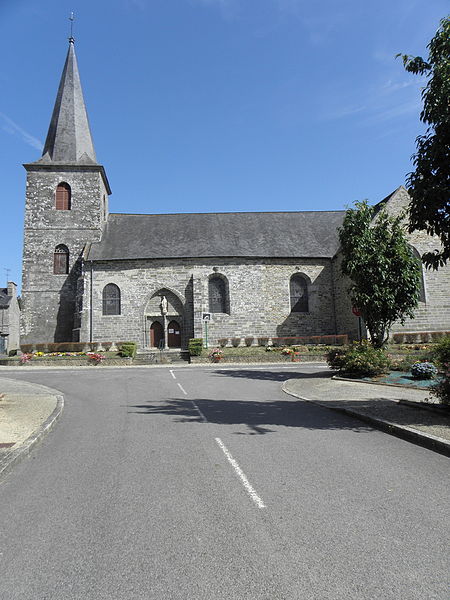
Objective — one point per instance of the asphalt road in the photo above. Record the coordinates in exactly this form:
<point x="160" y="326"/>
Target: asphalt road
<point x="191" y="483"/>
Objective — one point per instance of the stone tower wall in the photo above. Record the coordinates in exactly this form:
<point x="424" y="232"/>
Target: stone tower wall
<point x="49" y="299"/>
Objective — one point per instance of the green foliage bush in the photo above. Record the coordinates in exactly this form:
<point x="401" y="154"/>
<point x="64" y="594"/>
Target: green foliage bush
<point x="442" y="389"/>
<point x="195" y="346"/>
<point x="441" y="352"/>
<point x="128" y="349"/>
<point x="360" y="359"/>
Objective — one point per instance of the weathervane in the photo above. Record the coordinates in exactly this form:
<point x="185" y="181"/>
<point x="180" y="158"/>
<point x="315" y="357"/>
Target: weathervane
<point x="71" y="19"/>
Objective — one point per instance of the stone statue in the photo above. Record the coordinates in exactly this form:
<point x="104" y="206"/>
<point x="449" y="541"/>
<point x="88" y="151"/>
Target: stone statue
<point x="164" y="305"/>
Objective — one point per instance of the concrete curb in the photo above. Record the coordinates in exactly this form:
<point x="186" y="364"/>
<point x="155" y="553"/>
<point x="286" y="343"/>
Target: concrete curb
<point x="431" y="442"/>
<point x="15" y="456"/>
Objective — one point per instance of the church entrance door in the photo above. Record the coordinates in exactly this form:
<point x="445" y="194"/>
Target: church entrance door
<point x="174" y="335"/>
<point x="156" y="334"/>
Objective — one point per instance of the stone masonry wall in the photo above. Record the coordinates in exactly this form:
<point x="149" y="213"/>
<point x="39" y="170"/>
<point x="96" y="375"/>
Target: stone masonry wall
<point x="258" y="297"/>
<point x="345" y="320"/>
<point x="48" y="300"/>
<point x="434" y="313"/>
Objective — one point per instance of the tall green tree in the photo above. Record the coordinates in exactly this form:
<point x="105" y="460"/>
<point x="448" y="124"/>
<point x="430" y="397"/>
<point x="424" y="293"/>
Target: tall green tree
<point x="429" y="183"/>
<point x="385" y="274"/>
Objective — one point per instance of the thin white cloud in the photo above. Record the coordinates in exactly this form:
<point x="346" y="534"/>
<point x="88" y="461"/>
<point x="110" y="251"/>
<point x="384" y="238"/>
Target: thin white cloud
<point x="228" y="8"/>
<point x="13" y="129"/>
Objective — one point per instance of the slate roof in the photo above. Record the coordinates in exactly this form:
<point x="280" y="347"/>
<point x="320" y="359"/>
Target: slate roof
<point x="274" y="234"/>
<point x="69" y="137"/>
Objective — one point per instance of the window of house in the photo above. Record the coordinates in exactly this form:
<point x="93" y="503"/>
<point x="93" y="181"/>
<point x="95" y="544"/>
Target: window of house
<point x="111" y="299"/>
<point x="299" y="293"/>
<point x="63" y="196"/>
<point x="217" y="292"/>
<point x="61" y="260"/>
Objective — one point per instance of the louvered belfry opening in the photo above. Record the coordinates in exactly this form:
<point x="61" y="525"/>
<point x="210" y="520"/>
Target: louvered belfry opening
<point x="63" y="196"/>
<point x="61" y="260"/>
<point x="111" y="299"/>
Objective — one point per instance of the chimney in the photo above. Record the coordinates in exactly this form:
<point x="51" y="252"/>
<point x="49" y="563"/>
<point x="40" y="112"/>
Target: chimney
<point x="12" y="289"/>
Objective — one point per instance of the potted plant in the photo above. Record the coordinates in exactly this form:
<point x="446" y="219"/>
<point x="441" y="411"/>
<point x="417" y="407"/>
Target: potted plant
<point x="215" y="355"/>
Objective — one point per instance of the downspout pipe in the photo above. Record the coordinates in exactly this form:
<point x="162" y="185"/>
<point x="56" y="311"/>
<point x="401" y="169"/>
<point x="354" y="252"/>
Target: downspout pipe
<point x="91" y="312"/>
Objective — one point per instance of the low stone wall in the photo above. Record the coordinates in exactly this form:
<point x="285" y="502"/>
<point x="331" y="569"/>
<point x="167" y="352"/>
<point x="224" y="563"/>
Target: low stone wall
<point x="66" y="361"/>
<point x="269" y="357"/>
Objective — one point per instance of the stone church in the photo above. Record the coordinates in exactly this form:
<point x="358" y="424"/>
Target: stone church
<point x="91" y="275"/>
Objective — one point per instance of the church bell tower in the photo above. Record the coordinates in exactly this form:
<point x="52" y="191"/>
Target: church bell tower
<point x="66" y="209"/>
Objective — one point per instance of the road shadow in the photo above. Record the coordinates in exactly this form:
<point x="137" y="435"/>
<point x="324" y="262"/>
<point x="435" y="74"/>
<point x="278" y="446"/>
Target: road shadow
<point x="271" y="375"/>
<point x="257" y="416"/>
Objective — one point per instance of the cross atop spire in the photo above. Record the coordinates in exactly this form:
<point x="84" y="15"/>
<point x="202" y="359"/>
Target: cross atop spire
<point x="69" y="137"/>
<point x="71" y="19"/>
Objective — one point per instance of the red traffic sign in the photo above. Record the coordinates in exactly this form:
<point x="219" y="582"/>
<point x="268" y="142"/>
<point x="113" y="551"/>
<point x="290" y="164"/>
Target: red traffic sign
<point x="356" y="311"/>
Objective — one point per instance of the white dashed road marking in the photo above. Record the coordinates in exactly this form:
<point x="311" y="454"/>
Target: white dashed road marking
<point x="240" y="473"/>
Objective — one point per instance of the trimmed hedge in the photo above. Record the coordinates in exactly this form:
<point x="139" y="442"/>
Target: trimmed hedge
<point x="128" y="349"/>
<point x="195" y="346"/>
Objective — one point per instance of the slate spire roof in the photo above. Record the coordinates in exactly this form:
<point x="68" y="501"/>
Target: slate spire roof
<point x="69" y="137"/>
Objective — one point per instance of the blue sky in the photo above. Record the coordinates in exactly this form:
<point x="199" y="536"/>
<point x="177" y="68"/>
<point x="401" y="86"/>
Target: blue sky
<point x="218" y="105"/>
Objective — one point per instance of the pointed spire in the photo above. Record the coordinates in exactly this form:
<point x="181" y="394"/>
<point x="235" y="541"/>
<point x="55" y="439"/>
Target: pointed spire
<point x="69" y="137"/>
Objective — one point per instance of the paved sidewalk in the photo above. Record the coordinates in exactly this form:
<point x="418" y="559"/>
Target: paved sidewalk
<point x="395" y="410"/>
<point x="27" y="413"/>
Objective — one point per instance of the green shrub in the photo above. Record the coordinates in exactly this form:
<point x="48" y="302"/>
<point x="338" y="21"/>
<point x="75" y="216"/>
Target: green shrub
<point x="195" y="346"/>
<point x="441" y="352"/>
<point x="128" y="349"/>
<point x="360" y="359"/>
<point x="442" y="389"/>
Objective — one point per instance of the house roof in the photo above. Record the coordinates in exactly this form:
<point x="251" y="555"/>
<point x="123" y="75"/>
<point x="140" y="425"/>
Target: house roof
<point x="274" y="234"/>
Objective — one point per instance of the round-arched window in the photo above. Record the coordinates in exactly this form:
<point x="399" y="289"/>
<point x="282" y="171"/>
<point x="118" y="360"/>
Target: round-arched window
<point x="298" y="289"/>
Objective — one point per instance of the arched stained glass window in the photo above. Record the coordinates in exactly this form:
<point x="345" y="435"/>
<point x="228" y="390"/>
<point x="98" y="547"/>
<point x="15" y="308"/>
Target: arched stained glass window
<point x="61" y="260"/>
<point x="63" y="196"/>
<point x="299" y="293"/>
<point x="217" y="291"/>
<point x="111" y="299"/>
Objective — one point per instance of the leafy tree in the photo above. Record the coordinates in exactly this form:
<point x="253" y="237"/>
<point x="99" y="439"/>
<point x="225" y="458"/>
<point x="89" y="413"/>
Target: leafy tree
<point x="429" y="183"/>
<point x="385" y="273"/>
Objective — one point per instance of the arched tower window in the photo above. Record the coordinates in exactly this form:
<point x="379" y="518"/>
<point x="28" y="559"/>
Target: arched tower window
<point x="298" y="289"/>
<point x="63" y="196"/>
<point x="422" y="297"/>
<point x="111" y="299"/>
<point x="217" y="293"/>
<point x="61" y="260"/>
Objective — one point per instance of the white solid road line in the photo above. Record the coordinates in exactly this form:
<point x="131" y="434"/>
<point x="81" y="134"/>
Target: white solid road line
<point x="253" y="495"/>
<point x="172" y="373"/>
